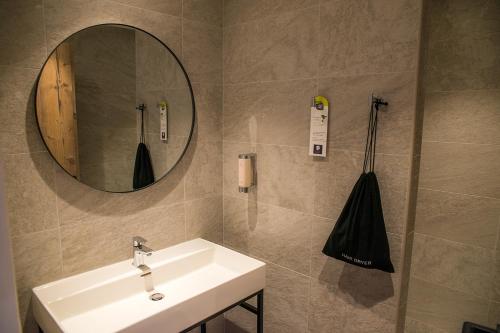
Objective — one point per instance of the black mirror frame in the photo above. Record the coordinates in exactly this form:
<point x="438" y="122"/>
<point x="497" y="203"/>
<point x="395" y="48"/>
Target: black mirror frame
<point x="185" y="75"/>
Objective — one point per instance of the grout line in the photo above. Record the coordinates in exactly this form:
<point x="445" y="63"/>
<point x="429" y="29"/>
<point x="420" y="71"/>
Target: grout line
<point x="44" y="30"/>
<point x="478" y="298"/>
<point x="272" y="263"/>
<point x="305" y="147"/>
<point x="462" y="143"/>
<point x="319" y="77"/>
<point x="34" y="232"/>
<point x="232" y="84"/>
<point x="455" y="242"/>
<point x="426" y="324"/>
<point x="309" y="298"/>
<point x="59" y="222"/>
<point x="497" y="244"/>
<point x="473" y="36"/>
<point x="333" y="220"/>
<point x="28" y="153"/>
<point x="182" y="32"/>
<point x="457" y="91"/>
<point x="185" y="166"/>
<point x="20" y="67"/>
<point x="457" y="193"/>
<point x="266" y="17"/>
<point x="222" y="123"/>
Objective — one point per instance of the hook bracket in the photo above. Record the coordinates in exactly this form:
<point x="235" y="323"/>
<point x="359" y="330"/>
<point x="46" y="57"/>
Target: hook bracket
<point x="378" y="101"/>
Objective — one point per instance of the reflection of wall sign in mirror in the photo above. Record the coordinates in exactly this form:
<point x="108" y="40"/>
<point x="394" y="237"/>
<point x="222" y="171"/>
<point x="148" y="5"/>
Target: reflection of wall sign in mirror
<point x="163" y="120"/>
<point x="114" y="107"/>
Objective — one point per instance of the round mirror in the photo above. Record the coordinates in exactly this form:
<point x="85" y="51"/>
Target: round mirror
<point x="115" y="107"/>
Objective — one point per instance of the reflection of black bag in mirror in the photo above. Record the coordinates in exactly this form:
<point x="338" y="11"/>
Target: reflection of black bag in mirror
<point x="359" y="237"/>
<point x="143" y="169"/>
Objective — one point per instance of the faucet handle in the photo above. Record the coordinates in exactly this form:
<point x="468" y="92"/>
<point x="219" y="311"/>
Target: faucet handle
<point x="138" y="241"/>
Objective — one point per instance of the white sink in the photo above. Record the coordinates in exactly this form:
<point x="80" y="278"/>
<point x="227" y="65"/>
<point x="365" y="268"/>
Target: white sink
<point x="198" y="279"/>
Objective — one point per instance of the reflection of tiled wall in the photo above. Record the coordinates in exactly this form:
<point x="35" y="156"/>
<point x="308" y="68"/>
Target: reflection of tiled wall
<point x="277" y="56"/>
<point x="455" y="275"/>
<point x="60" y="227"/>
<point x="105" y="81"/>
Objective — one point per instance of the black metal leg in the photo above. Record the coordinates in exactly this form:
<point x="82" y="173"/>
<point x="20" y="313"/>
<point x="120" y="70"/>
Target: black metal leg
<point x="257" y="310"/>
<point x="260" y="314"/>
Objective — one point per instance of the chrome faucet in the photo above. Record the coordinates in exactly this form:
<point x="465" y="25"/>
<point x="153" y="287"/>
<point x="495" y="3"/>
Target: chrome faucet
<point x="139" y="251"/>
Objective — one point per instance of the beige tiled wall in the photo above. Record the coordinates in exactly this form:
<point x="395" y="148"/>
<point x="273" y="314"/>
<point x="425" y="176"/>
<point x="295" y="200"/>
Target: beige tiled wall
<point x="455" y="270"/>
<point x="59" y="226"/>
<point x="277" y="56"/>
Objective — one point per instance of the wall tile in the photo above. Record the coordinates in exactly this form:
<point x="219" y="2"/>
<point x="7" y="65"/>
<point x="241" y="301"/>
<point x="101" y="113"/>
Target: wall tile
<point x="208" y="100"/>
<point x="444" y="308"/>
<point x="204" y="171"/>
<point x="455" y="19"/>
<point x="414" y="326"/>
<point x="375" y="319"/>
<point x="31" y="198"/>
<point x="456" y="217"/>
<point x="37" y="260"/>
<point x="77" y="202"/>
<point x="86" y="246"/>
<point x="287" y="52"/>
<point x="202" y="52"/>
<point x="281" y="236"/>
<point x="465" y="117"/>
<point x="350" y="98"/>
<point x="285" y="304"/>
<point x="17" y="92"/>
<point x="285" y="177"/>
<point x="207" y="11"/>
<point x="240" y="11"/>
<point x="22" y="34"/>
<point x="494" y="314"/>
<point x="460" y="168"/>
<point x="64" y="17"/>
<point x="101" y="242"/>
<point x="327" y="308"/>
<point x="161" y="226"/>
<point x="171" y="7"/>
<point x="204" y="219"/>
<point x="272" y="112"/>
<point x="366" y="287"/>
<point x="456" y="266"/>
<point x="332" y="310"/>
<point x="351" y="37"/>
<point x="495" y="295"/>
<point x="465" y="63"/>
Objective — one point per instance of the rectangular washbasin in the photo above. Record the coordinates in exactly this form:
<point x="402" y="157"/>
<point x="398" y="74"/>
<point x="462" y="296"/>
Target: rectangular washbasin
<point x="197" y="277"/>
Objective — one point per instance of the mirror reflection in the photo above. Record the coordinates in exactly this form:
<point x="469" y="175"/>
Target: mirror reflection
<point x="114" y="107"/>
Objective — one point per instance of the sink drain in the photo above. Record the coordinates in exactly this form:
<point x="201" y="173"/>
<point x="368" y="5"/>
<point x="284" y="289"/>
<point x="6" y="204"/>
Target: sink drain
<point x="156" y="297"/>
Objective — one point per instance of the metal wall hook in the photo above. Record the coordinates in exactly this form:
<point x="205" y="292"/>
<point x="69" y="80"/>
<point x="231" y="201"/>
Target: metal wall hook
<point x="378" y="101"/>
<point x="141" y="107"/>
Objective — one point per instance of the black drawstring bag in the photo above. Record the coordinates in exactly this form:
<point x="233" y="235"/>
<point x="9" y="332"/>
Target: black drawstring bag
<point x="359" y="237"/>
<point x="143" y="169"/>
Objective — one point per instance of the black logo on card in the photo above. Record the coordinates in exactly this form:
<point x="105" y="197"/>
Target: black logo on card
<point x="318" y="149"/>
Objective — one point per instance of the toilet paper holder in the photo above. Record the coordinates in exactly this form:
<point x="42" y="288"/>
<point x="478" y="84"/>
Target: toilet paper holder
<point x="246" y="172"/>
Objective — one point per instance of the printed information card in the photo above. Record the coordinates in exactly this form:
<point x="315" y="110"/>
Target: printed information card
<point x="318" y="134"/>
